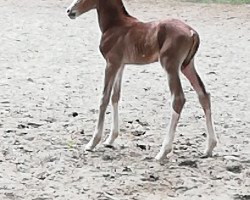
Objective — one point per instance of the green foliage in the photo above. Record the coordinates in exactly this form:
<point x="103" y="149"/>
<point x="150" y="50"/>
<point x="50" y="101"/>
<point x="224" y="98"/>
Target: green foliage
<point x="70" y="144"/>
<point x="221" y="1"/>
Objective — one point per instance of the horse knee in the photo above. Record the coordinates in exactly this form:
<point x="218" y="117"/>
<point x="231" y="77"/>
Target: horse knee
<point x="115" y="98"/>
<point x="104" y="103"/>
<point x="205" y="101"/>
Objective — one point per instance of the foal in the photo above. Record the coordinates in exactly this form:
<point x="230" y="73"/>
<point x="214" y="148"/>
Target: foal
<point x="126" y="40"/>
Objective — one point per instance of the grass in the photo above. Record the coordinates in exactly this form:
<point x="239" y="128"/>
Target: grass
<point x="221" y="1"/>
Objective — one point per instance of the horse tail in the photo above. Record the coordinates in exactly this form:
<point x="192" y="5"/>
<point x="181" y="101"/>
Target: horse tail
<point x="193" y="49"/>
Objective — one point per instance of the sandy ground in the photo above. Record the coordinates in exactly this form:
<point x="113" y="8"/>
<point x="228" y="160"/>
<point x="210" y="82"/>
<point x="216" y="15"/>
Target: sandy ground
<point x="51" y="70"/>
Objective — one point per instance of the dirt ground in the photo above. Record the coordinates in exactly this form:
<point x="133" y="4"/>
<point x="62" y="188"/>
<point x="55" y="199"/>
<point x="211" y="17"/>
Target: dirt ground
<point x="50" y="82"/>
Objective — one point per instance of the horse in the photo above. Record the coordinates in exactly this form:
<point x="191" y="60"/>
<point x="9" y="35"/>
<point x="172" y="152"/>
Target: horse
<point x="126" y="40"/>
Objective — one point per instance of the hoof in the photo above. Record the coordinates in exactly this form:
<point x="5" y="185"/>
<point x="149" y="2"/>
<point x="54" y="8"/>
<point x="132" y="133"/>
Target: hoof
<point x="159" y="157"/>
<point x="110" y="140"/>
<point x="92" y="143"/>
<point x="89" y="148"/>
<point x="108" y="143"/>
<point x="163" y="154"/>
<point x="209" y="150"/>
<point x="207" y="154"/>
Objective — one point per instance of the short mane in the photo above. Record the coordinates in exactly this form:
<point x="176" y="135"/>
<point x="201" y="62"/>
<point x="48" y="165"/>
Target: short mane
<point x="124" y="9"/>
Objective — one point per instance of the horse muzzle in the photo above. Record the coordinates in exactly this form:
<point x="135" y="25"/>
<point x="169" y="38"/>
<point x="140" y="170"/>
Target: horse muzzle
<point x="71" y="13"/>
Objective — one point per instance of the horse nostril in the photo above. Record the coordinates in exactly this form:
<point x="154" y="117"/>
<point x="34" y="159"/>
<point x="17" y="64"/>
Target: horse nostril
<point x="68" y="10"/>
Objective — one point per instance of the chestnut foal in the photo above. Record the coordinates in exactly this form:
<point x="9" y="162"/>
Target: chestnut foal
<point x="126" y="40"/>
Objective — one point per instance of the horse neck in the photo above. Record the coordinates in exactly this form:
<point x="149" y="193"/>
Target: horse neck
<point x="111" y="13"/>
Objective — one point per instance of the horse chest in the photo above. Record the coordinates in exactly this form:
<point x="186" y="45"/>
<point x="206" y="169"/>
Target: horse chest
<point x="132" y="45"/>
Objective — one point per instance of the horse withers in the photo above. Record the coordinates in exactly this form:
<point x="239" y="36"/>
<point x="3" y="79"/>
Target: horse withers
<point x="126" y="40"/>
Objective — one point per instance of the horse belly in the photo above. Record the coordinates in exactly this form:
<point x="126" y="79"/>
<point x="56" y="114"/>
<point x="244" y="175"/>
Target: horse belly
<point x="141" y="54"/>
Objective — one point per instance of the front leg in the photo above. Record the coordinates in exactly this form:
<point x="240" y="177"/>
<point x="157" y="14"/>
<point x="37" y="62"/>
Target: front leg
<point x="115" y="100"/>
<point x="110" y="74"/>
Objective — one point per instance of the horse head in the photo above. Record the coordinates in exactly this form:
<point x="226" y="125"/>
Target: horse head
<point x="79" y="7"/>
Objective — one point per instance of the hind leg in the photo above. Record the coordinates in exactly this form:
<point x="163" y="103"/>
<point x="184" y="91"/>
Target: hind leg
<point x="204" y="98"/>
<point x="178" y="102"/>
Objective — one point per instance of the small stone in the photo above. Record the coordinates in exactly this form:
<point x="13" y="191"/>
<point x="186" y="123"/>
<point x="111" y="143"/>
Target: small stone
<point x="211" y="73"/>
<point x="148" y="158"/>
<point x="74" y="114"/>
<point x="142" y="123"/>
<point x="22" y="126"/>
<point x="138" y="133"/>
<point x="34" y="125"/>
<point x="226" y="126"/>
<point x="16" y="142"/>
<point x="29" y="138"/>
<point x="141" y="146"/>
<point x="106" y="175"/>
<point x="242" y="197"/>
<point x="235" y="168"/>
<point x="107" y="157"/>
<point x="30" y="80"/>
<point x="232" y="158"/>
<point x="126" y="169"/>
<point x="5" y="102"/>
<point x="22" y="133"/>
<point x="9" y="195"/>
<point x="1" y="158"/>
<point x="50" y="120"/>
<point x="188" y="143"/>
<point x="109" y="146"/>
<point x="189" y="163"/>
<point x="151" y="178"/>
<point x="10" y="131"/>
<point x="183" y="147"/>
<point x="204" y="134"/>
<point x="42" y="175"/>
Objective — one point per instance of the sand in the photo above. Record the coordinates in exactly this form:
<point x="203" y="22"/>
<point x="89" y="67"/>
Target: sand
<point x="51" y="76"/>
